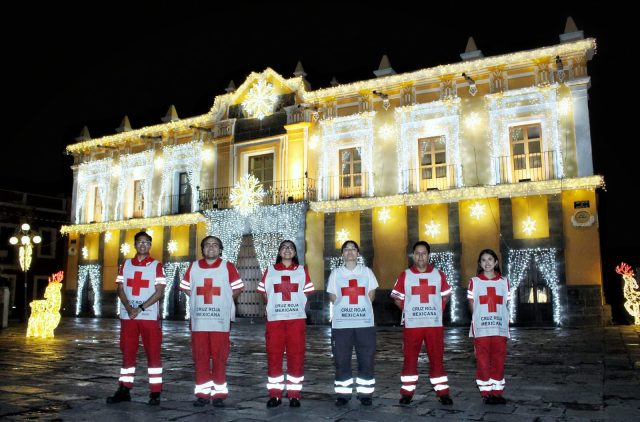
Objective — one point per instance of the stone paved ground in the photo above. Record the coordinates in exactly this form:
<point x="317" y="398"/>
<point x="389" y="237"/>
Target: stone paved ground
<point x="589" y="374"/>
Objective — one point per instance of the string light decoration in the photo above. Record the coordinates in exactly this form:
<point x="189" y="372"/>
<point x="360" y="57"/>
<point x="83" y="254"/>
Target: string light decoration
<point x="386" y="131"/>
<point x="172" y="246"/>
<point x="445" y="262"/>
<point x="94" y="273"/>
<point x="135" y="223"/>
<point x="228" y="225"/>
<point x="477" y="210"/>
<point x="339" y="133"/>
<point x="125" y="248"/>
<point x="472" y="120"/>
<point x="135" y="167"/>
<point x="545" y="259"/>
<point x="94" y="173"/>
<point x="260" y="100"/>
<point x="529" y="225"/>
<point x="170" y="271"/>
<point x="437" y="118"/>
<point x="184" y="157"/>
<point x="247" y="194"/>
<point x="338" y="261"/>
<point x="45" y="314"/>
<point x="314" y="141"/>
<point x="631" y="291"/>
<point x="432" y="229"/>
<point x="384" y="215"/>
<point x="342" y="235"/>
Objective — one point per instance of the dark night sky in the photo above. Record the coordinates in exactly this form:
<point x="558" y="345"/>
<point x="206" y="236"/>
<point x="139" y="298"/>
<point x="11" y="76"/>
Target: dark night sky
<point x="65" y="68"/>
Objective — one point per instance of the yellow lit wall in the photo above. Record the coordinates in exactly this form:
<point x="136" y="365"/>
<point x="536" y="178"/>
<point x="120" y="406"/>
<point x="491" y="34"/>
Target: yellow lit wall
<point x="349" y="221"/>
<point x="72" y="263"/>
<point x="128" y="238"/>
<point x="295" y="151"/>
<point x="201" y="233"/>
<point x="92" y="243"/>
<point x="223" y="160"/>
<point x="534" y="206"/>
<point x="477" y="234"/>
<point x="314" y="248"/>
<point x="439" y="213"/>
<point x="582" y="244"/>
<point x="390" y="243"/>
<point x="181" y="235"/>
<point x="110" y="261"/>
<point x="156" y="244"/>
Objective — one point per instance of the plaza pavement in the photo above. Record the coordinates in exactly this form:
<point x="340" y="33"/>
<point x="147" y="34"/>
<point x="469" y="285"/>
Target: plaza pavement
<point x="552" y="374"/>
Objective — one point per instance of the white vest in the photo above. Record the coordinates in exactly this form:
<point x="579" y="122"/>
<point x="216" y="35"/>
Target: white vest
<point x="352" y="308"/>
<point x="211" y="301"/>
<point x="139" y="284"/>
<point x="491" y="313"/>
<point x="422" y="299"/>
<point x="285" y="294"/>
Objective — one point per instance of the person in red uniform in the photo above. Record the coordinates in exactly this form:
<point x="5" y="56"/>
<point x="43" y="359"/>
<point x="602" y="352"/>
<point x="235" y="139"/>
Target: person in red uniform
<point x="212" y="284"/>
<point x="141" y="284"/>
<point x="285" y="286"/>
<point x="421" y="292"/>
<point x="489" y="297"/>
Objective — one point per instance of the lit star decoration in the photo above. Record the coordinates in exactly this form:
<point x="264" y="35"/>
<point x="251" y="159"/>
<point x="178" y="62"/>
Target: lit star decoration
<point x="247" y="194"/>
<point x="85" y="252"/>
<point x="529" y="225"/>
<point x="45" y="314"/>
<point x="384" y="215"/>
<point x="107" y="237"/>
<point x="125" y="249"/>
<point x="172" y="246"/>
<point x="477" y="210"/>
<point x="342" y="236"/>
<point x="631" y="291"/>
<point x="472" y="121"/>
<point x="432" y="229"/>
<point x="260" y="100"/>
<point x="92" y="272"/>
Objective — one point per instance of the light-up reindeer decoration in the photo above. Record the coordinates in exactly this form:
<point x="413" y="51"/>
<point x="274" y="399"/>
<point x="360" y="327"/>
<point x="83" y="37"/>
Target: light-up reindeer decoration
<point x="630" y="290"/>
<point x="45" y="314"/>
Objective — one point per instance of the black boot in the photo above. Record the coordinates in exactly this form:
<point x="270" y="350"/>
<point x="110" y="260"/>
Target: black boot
<point x="121" y="395"/>
<point x="154" y="399"/>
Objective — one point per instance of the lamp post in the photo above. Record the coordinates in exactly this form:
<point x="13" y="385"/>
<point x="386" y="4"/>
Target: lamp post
<point x="24" y="239"/>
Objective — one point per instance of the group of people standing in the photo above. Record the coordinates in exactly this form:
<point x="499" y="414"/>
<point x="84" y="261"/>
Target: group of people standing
<point x="212" y="284"/>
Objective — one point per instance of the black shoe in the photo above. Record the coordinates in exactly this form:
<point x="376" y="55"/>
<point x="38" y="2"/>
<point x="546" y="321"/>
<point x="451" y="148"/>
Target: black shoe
<point x="121" y="395"/>
<point x="405" y="399"/>
<point x="294" y="402"/>
<point x="274" y="402"/>
<point x="154" y="399"/>
<point x="499" y="400"/>
<point x="341" y="401"/>
<point x="488" y="400"/>
<point x="200" y="402"/>
<point x="366" y="401"/>
<point x="217" y="402"/>
<point x="446" y="400"/>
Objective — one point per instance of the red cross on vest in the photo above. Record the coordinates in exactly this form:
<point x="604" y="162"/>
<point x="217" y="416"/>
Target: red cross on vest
<point x="136" y="283"/>
<point x="285" y="287"/>
<point x="208" y="291"/>
<point x="353" y="291"/>
<point x="491" y="299"/>
<point x="424" y="290"/>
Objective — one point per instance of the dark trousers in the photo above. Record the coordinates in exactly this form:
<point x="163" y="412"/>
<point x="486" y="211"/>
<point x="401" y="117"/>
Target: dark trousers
<point x="343" y="341"/>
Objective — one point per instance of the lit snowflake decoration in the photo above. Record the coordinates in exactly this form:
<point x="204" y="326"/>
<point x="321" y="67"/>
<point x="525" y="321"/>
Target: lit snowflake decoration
<point x="528" y="225"/>
<point x="172" y="246"/>
<point x="564" y="106"/>
<point x="342" y="235"/>
<point x="384" y="215"/>
<point x="477" y="210"/>
<point x="85" y="252"/>
<point x="386" y="131"/>
<point x="125" y="249"/>
<point x="247" y="194"/>
<point x="149" y="232"/>
<point x="107" y="237"/>
<point x="261" y="100"/>
<point x="432" y="229"/>
<point x="472" y="120"/>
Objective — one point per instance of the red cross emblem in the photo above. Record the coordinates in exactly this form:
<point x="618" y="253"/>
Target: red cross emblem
<point x="208" y="291"/>
<point x="491" y="299"/>
<point x="285" y="287"/>
<point x="136" y="283"/>
<point x="353" y="291"/>
<point x="424" y="290"/>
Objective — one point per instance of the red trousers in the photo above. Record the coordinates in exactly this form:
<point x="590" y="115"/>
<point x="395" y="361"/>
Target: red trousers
<point x="412" y="339"/>
<point x="490" y="353"/>
<point x="130" y="332"/>
<point x="286" y="336"/>
<point x="210" y="351"/>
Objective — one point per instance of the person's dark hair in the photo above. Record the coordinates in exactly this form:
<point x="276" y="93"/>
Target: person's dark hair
<point x="210" y="237"/>
<point x="295" y="249"/>
<point x="353" y="242"/>
<point x="140" y="234"/>
<point x="494" y="255"/>
<point x="422" y="243"/>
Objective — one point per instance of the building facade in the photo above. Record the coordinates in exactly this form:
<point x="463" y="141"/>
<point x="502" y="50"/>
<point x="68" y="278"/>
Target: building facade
<point x="489" y="152"/>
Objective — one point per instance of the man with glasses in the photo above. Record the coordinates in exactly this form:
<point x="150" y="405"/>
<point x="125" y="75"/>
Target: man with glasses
<point x="421" y="292"/>
<point x="141" y="283"/>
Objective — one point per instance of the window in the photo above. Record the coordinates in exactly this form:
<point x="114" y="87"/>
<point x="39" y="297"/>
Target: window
<point x="350" y="173"/>
<point x="47" y="247"/>
<point x="526" y="152"/>
<point x="97" y="205"/>
<point x="261" y="167"/>
<point x="138" y="198"/>
<point x="433" y="163"/>
<point x="184" y="193"/>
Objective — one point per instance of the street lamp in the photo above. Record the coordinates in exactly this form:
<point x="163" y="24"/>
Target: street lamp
<point x="24" y="239"/>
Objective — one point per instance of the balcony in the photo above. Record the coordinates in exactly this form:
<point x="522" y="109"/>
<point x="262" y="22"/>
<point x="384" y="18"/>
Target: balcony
<point x="353" y="185"/>
<point x="441" y="177"/>
<point x="179" y="204"/>
<point x="277" y="192"/>
<point x="528" y="167"/>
